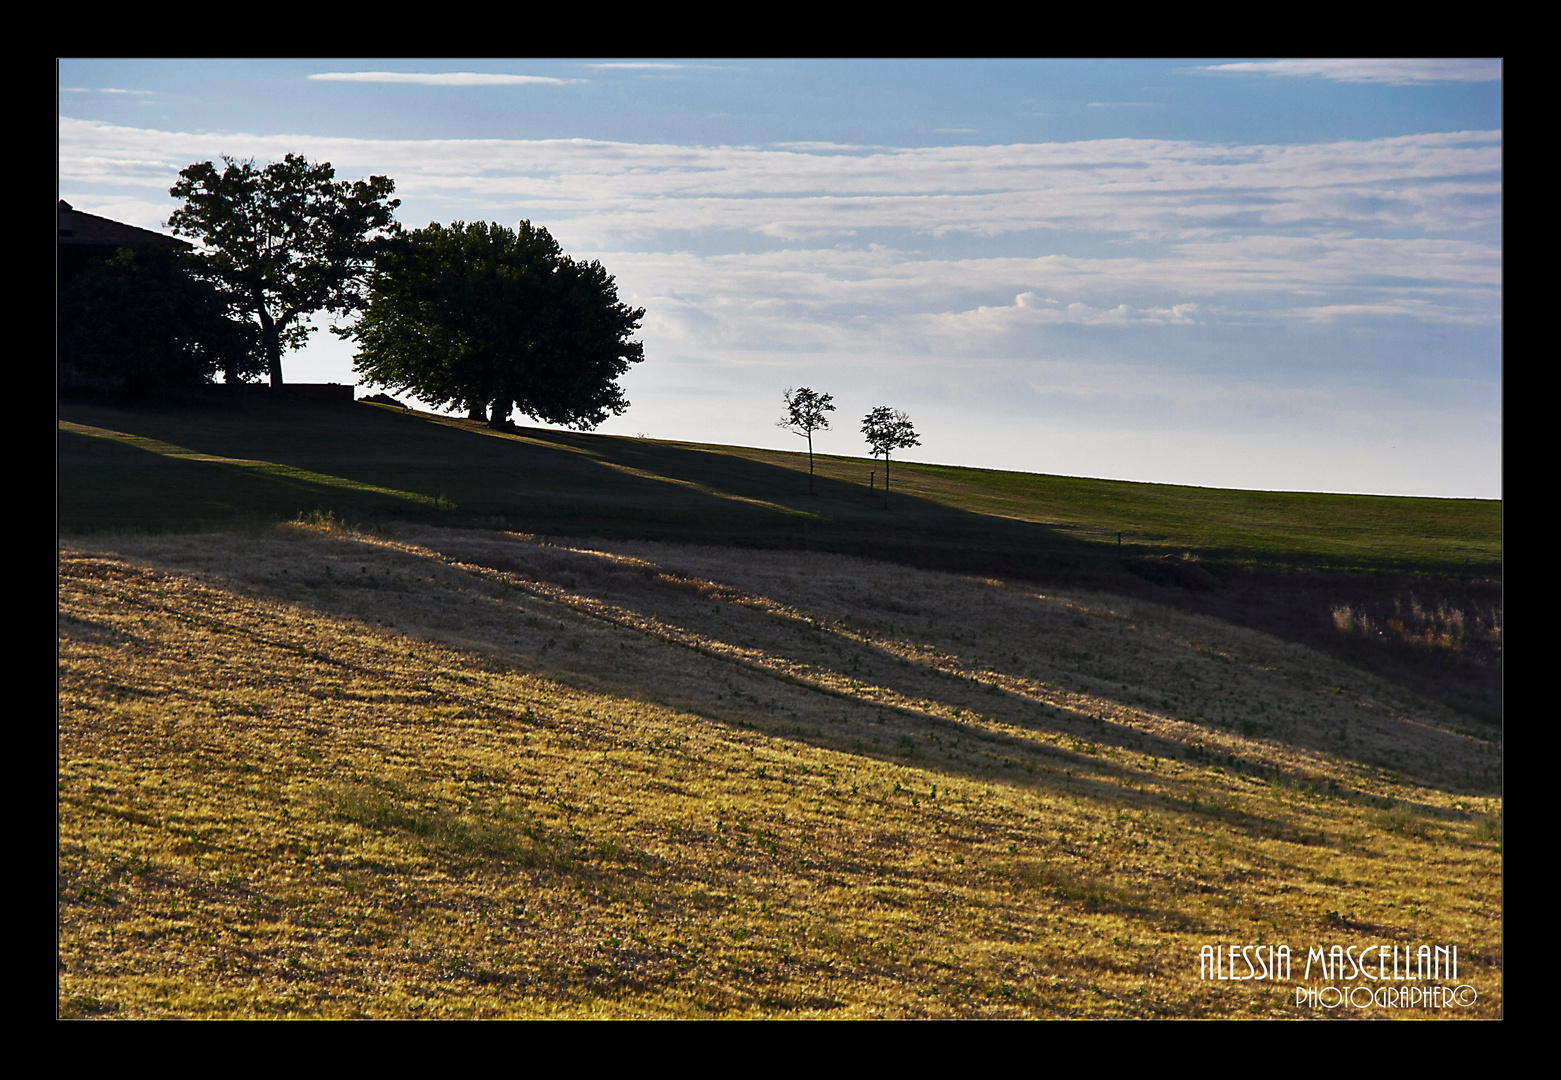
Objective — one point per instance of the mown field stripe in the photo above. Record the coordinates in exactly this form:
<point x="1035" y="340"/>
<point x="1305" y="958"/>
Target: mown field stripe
<point x="267" y="468"/>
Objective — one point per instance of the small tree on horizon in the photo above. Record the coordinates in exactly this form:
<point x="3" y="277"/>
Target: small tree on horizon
<point x="806" y="413"/>
<point x="888" y="429"/>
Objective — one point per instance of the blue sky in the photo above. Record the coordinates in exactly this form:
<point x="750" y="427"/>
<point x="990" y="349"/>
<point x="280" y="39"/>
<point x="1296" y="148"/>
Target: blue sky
<point x="1261" y="274"/>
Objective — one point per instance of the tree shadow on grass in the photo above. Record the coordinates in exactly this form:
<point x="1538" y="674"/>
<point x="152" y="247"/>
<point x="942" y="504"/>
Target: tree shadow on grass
<point x="705" y="647"/>
<point x="253" y="461"/>
<point x="458" y="472"/>
<point x="994" y="686"/>
<point x="481" y="601"/>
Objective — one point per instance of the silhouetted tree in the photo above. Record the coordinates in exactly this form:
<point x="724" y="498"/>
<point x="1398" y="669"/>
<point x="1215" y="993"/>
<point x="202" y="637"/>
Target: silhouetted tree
<point x="149" y="319"/>
<point x="806" y="412"/>
<point x="288" y="240"/>
<point x="473" y="314"/>
<point x="888" y="429"/>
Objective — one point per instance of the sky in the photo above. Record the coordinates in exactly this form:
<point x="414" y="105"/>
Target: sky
<point x="1280" y="275"/>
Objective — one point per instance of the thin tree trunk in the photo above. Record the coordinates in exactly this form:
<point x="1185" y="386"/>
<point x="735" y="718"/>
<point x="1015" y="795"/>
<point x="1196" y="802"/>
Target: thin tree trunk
<point x="810" y="464"/>
<point x="886" y="479"/>
<point x="271" y="336"/>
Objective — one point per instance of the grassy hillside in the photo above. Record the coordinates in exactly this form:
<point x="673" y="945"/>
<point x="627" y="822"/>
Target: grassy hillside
<point x="191" y="468"/>
<point x="372" y="714"/>
<point x="315" y="771"/>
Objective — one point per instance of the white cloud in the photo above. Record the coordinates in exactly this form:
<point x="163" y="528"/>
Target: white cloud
<point x="441" y="78"/>
<point x="1138" y="187"/>
<point x="1398" y="72"/>
<point x="1029" y="310"/>
<point x="821" y="146"/>
<point x="1386" y="229"/>
<point x="967" y="305"/>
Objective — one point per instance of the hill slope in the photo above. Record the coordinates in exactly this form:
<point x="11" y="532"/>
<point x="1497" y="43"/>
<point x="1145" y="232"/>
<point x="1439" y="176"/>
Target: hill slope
<point x="572" y="724"/>
<point x="253" y="461"/>
<point x="1408" y="588"/>
<point x="317" y="771"/>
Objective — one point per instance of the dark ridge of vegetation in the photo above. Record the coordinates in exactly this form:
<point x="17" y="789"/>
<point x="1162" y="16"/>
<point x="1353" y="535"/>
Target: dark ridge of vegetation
<point x="148" y="322"/>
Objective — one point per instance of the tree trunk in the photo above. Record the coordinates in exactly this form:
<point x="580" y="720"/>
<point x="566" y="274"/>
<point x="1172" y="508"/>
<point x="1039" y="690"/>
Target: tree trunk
<point x="886" y="479"/>
<point x="271" y="337"/>
<point x="501" y="413"/>
<point x="477" y="411"/>
<point x="810" y="464"/>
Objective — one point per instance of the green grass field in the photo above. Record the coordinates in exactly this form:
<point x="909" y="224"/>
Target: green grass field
<point x="179" y="470"/>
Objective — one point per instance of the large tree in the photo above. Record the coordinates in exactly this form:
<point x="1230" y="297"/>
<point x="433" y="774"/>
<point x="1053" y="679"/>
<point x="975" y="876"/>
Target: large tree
<point x="888" y="429"/>
<point x="807" y="411"/>
<point x="288" y="240"/>
<point x="150" y="320"/>
<point x="476" y="315"/>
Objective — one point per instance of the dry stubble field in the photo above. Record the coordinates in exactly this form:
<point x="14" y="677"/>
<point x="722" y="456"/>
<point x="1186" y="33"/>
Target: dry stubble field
<point x="311" y="771"/>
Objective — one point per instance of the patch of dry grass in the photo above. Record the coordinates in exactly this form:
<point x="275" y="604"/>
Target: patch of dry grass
<point x="318" y="772"/>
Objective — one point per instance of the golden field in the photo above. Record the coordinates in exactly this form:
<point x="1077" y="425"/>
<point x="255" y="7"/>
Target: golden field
<point x="313" y="771"/>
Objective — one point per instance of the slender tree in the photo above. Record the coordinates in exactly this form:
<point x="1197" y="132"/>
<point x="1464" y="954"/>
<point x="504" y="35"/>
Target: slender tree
<point x="288" y="240"/>
<point x="888" y="429"/>
<point x="806" y="412"/>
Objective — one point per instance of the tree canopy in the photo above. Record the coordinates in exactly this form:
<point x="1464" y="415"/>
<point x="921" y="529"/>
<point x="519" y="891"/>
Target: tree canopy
<point x="151" y="320"/>
<point x="888" y="429"/>
<point x="288" y="240"/>
<point x="477" y="314"/>
<point x="807" y="411"/>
